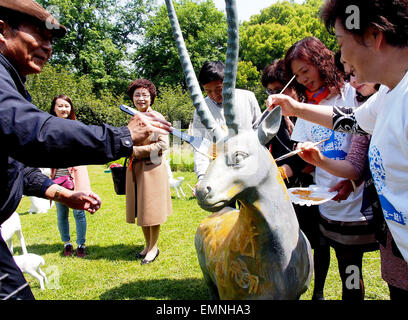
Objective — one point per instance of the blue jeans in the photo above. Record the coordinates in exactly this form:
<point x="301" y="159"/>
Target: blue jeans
<point x="63" y="223"/>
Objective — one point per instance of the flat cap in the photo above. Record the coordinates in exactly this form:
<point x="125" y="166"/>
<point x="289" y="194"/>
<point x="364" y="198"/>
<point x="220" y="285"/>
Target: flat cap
<point x="33" y="9"/>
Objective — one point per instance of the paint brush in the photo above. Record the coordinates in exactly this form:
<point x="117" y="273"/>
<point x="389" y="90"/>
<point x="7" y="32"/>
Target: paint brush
<point x="266" y="112"/>
<point x="290" y="154"/>
<point x="201" y="145"/>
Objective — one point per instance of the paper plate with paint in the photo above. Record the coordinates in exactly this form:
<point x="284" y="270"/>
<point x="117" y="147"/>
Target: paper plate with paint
<point x="313" y="195"/>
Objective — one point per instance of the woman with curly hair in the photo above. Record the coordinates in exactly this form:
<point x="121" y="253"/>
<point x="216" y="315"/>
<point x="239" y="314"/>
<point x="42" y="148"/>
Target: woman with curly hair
<point x="341" y="223"/>
<point x="147" y="186"/>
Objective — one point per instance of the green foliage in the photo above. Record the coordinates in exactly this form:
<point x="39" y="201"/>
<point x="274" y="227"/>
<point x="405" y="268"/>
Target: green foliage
<point x="175" y="105"/>
<point x="173" y="102"/>
<point x="270" y="34"/>
<point x="260" y="44"/>
<point x="100" y="37"/>
<point x="247" y="76"/>
<point x="104" y="35"/>
<point x="89" y="108"/>
<point x="204" y="30"/>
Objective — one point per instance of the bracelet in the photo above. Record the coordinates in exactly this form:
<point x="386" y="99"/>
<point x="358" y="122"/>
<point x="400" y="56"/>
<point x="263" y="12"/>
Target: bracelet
<point x="57" y="193"/>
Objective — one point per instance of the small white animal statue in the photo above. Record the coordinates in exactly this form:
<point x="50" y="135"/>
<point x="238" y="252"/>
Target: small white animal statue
<point x="30" y="263"/>
<point x="174" y="182"/>
<point x="40" y="205"/>
<point x="10" y="227"/>
<point x="258" y="252"/>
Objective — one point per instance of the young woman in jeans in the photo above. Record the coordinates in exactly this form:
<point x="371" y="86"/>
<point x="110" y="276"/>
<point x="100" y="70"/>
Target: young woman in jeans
<point x="63" y="107"/>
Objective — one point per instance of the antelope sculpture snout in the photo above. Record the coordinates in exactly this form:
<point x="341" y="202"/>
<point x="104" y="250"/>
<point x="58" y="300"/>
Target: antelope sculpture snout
<point x="258" y="252"/>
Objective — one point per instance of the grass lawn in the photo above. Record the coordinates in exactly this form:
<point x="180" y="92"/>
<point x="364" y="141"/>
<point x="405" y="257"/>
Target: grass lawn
<point x="110" y="271"/>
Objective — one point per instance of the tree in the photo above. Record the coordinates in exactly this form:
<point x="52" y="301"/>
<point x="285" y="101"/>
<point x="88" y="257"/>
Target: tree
<point x="260" y="44"/>
<point x="205" y="32"/>
<point x="175" y="104"/>
<point x="267" y="36"/>
<point x="89" y="108"/>
<point x="101" y="34"/>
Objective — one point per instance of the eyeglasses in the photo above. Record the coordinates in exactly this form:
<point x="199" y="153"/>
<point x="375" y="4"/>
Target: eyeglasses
<point x="270" y="92"/>
<point x="144" y="96"/>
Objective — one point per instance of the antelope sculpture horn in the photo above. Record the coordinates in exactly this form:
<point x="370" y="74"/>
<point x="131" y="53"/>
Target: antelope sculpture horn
<point x="231" y="66"/>
<point x="258" y="252"/>
<point x="191" y="78"/>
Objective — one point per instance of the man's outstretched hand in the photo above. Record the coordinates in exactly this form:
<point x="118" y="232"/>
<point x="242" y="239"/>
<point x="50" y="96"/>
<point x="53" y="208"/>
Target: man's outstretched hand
<point x="143" y="125"/>
<point x="83" y="201"/>
<point x="88" y="201"/>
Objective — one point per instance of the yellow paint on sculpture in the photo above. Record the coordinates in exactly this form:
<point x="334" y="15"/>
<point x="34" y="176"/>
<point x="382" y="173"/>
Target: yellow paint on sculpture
<point x="244" y="279"/>
<point x="257" y="205"/>
<point x="279" y="178"/>
<point x="226" y="237"/>
<point x="234" y="190"/>
<point x="244" y="242"/>
<point x="215" y="229"/>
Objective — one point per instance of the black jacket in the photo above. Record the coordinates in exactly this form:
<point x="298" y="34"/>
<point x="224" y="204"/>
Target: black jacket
<point x="31" y="137"/>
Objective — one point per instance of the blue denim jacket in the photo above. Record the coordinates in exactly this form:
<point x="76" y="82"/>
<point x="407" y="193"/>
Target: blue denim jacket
<point x="31" y="138"/>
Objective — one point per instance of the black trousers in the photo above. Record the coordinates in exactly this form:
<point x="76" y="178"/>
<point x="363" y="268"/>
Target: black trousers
<point x="15" y="278"/>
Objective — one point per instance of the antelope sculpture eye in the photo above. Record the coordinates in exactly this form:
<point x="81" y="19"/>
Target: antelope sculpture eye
<point x="238" y="157"/>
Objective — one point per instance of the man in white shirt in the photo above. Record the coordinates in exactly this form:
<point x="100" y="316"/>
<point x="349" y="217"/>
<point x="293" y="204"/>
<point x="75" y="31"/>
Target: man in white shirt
<point x="211" y="78"/>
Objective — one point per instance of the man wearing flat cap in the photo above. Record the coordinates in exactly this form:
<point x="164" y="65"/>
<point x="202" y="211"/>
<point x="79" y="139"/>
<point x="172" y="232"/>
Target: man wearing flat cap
<point x="33" y="138"/>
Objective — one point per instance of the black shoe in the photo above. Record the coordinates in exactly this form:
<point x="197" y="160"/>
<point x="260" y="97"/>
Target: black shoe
<point x="140" y="256"/>
<point x="318" y="297"/>
<point x="145" y="261"/>
<point x="81" y="252"/>
<point x="68" y="250"/>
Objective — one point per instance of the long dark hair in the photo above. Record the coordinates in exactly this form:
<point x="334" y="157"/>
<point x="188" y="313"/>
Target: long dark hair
<point x="313" y="51"/>
<point x="72" y="115"/>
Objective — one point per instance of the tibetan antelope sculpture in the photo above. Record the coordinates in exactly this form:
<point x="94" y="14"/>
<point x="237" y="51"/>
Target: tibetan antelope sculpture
<point x="258" y="252"/>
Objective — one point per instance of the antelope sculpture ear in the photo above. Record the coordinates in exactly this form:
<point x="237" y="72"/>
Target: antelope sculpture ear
<point x="270" y="126"/>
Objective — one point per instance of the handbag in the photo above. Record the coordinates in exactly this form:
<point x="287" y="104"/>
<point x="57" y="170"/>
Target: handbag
<point x="65" y="181"/>
<point x="119" y="178"/>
